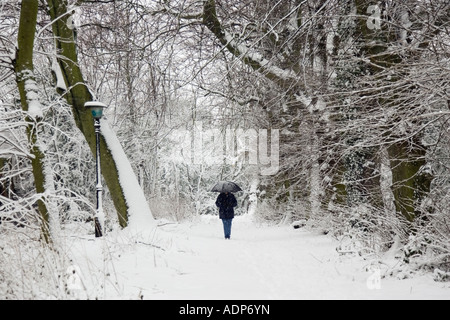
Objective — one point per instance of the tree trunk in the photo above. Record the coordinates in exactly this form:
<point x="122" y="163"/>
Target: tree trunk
<point x="23" y="67"/>
<point x="386" y="183"/>
<point x="410" y="185"/>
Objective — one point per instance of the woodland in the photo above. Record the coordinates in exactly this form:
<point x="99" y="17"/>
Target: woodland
<point x="353" y="98"/>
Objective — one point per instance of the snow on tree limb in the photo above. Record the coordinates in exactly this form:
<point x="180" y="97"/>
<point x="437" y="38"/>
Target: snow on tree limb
<point x="139" y="213"/>
<point x="253" y="59"/>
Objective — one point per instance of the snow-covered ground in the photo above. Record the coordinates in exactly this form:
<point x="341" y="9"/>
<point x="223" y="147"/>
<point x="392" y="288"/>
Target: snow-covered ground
<point x="191" y="260"/>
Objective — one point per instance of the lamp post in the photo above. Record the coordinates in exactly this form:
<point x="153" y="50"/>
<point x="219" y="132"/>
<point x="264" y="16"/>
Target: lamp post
<point x="96" y="109"/>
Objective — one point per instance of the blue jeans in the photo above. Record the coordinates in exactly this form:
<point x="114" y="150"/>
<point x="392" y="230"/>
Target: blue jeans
<point x="227" y="227"/>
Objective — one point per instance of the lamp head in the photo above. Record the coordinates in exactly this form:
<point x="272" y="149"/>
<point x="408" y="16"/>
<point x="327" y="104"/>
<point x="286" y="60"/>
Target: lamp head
<point x="96" y="108"/>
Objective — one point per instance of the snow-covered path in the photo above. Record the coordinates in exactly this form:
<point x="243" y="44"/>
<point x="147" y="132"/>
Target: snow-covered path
<point x="193" y="261"/>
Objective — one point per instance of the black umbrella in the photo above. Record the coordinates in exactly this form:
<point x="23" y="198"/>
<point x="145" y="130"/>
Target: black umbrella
<point x="226" y="186"/>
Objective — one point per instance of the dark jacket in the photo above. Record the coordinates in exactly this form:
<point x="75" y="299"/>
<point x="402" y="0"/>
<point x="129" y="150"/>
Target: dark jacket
<point x="226" y="203"/>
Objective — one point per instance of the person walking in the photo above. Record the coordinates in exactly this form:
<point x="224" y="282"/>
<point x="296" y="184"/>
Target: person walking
<point x="226" y="202"/>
